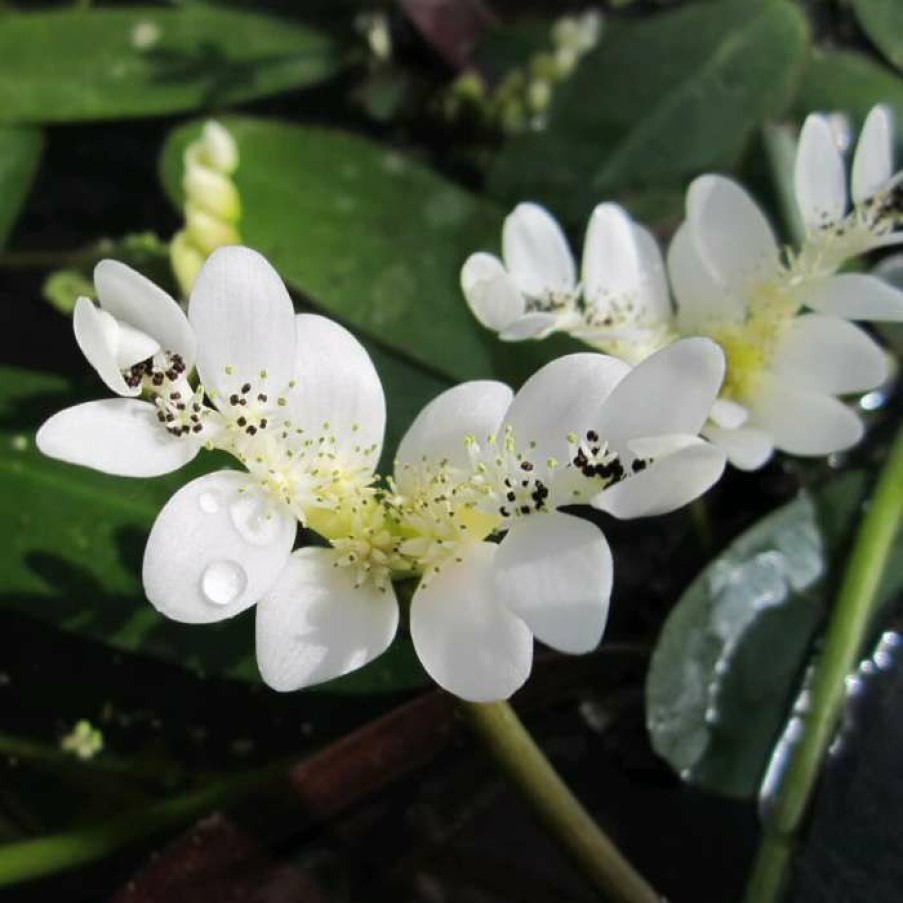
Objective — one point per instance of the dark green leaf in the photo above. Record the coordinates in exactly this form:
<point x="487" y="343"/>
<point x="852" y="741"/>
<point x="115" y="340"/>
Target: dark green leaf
<point x="882" y="21"/>
<point x="730" y="657"/>
<point x="72" y="543"/>
<point x="66" y="65"/>
<point x="369" y="236"/>
<point x="851" y="83"/>
<point x="20" y="154"/>
<point x="658" y="101"/>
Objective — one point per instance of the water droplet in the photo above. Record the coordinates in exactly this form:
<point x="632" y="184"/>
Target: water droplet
<point x="256" y="520"/>
<point x="223" y="582"/>
<point x="209" y="502"/>
<point x="872" y="401"/>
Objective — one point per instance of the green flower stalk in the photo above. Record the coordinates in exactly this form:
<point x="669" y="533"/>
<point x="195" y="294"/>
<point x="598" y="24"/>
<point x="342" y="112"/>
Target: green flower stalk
<point x="212" y="203"/>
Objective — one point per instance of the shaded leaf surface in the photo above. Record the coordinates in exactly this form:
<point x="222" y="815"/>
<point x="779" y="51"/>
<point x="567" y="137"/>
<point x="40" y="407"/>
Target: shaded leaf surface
<point x="850" y="82"/>
<point x="65" y="65"/>
<point x="730" y="656"/>
<point x="656" y="102"/>
<point x="882" y="21"/>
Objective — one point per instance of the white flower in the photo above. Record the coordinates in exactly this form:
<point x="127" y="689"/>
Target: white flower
<point x="477" y="463"/>
<point x="784" y="368"/>
<point x="621" y="306"/>
<point x="138" y="339"/>
<point x="297" y="401"/>
<point x="834" y="232"/>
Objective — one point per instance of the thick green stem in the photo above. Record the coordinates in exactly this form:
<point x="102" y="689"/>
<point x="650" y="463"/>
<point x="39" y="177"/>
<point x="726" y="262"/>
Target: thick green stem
<point x="842" y="648"/>
<point x="556" y="807"/>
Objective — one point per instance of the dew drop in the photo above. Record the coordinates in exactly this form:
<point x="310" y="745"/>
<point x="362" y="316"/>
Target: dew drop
<point x="255" y="519"/>
<point x="223" y="582"/>
<point x="209" y="502"/>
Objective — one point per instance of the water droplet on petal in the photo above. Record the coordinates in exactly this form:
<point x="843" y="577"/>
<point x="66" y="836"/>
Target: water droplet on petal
<point x="256" y="520"/>
<point x="223" y="582"/>
<point x="209" y="502"/>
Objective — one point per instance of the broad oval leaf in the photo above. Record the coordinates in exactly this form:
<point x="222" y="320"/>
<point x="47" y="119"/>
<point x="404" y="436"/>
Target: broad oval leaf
<point x="72" y="543"/>
<point x="67" y="65"/>
<point x="731" y="655"/>
<point x="656" y="102"/>
<point x="882" y="21"/>
<point x="370" y="237"/>
<point x="20" y="154"/>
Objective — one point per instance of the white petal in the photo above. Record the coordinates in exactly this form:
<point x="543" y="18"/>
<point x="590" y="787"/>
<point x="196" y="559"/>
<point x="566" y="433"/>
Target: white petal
<point x="873" y="163"/>
<point x="469" y="643"/>
<point x="529" y="326"/>
<point x="132" y="345"/>
<point x="829" y="355"/>
<point x="119" y="436"/>
<point x="728" y="414"/>
<point x="668" y="483"/>
<point x="97" y="335"/>
<point x="554" y="571"/>
<point x="561" y="398"/>
<point x="314" y="624"/>
<point x="216" y="547"/>
<point x="536" y="252"/>
<point x="819" y="176"/>
<point x="672" y="391"/>
<point x="653" y="288"/>
<point x="702" y="301"/>
<point x="245" y="324"/>
<point x="854" y="296"/>
<point x="439" y="431"/>
<point x="135" y="300"/>
<point x="747" y="448"/>
<point x="336" y="383"/>
<point x="802" y="422"/>
<point x="611" y="266"/>
<point x="730" y="233"/>
<point x="491" y="293"/>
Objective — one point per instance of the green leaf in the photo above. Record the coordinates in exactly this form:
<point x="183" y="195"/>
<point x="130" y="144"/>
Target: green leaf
<point x="882" y="21"/>
<point x="20" y="154"/>
<point x="369" y="236"/>
<point x="71" y="544"/>
<point x="851" y="83"/>
<point x="731" y="655"/>
<point x="656" y="102"/>
<point x="65" y="65"/>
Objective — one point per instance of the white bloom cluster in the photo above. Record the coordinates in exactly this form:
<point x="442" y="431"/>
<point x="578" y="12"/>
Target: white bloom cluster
<point x="522" y="98"/>
<point x="780" y="315"/>
<point x="473" y="509"/>
<point x="212" y="204"/>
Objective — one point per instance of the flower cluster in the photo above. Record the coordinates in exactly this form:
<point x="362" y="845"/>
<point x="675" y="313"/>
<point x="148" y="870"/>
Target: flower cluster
<point x="473" y="511"/>
<point x="521" y="100"/>
<point x="780" y="315"/>
<point x="212" y="204"/>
